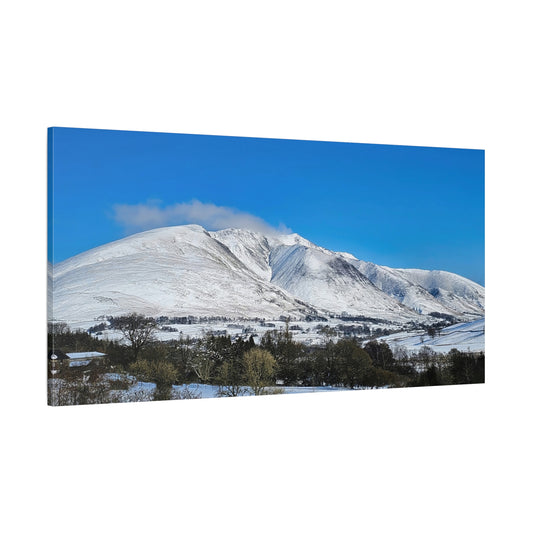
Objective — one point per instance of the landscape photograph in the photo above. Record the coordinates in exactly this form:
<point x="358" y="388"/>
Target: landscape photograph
<point x="197" y="266"/>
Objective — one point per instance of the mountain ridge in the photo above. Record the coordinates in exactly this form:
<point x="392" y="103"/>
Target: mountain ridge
<point x="187" y="270"/>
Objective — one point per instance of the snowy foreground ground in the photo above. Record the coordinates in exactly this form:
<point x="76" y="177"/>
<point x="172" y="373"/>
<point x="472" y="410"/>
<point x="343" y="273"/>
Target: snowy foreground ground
<point x="467" y="337"/>
<point x="210" y="391"/>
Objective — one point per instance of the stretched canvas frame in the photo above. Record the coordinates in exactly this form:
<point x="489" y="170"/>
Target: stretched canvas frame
<point x="187" y="266"/>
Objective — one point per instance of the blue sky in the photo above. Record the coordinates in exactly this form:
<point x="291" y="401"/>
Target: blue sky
<point x="398" y="206"/>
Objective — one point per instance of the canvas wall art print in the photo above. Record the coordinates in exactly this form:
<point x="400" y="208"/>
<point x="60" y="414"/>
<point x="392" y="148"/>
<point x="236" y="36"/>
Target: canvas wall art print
<point x="196" y="266"/>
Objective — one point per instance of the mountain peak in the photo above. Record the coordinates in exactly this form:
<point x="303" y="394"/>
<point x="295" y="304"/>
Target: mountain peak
<point x="292" y="239"/>
<point x="186" y="270"/>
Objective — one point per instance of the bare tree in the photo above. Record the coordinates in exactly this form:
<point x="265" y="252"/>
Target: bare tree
<point x="137" y="329"/>
<point x="203" y="367"/>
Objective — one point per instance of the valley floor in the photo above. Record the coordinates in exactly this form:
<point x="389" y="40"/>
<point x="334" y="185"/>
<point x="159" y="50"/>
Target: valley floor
<point x="469" y="336"/>
<point x="221" y="358"/>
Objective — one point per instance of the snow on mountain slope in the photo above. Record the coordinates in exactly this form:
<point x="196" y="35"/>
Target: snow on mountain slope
<point x="330" y="282"/>
<point x="254" y="249"/>
<point x="251" y="248"/>
<point x="186" y="270"/>
<point x="292" y="239"/>
<point x="455" y="292"/>
<point x="313" y="274"/>
<point x="402" y="286"/>
<point x="169" y="271"/>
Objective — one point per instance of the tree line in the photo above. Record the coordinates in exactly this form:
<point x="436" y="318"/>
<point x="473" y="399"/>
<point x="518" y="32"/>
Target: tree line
<point x="238" y="366"/>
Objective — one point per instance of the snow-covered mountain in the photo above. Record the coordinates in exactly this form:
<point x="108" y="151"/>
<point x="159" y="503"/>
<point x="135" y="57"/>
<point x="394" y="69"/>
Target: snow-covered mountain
<point x="336" y="280"/>
<point x="174" y="271"/>
<point x="427" y="291"/>
<point x="330" y="282"/>
<point x="453" y="291"/>
<point x="186" y="270"/>
<point x="313" y="274"/>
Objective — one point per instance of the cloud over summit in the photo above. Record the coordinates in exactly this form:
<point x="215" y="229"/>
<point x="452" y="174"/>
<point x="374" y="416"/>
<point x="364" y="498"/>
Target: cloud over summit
<point x="142" y="217"/>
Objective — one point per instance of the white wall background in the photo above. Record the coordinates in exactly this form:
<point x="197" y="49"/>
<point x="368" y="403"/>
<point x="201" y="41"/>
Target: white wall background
<point x="453" y="74"/>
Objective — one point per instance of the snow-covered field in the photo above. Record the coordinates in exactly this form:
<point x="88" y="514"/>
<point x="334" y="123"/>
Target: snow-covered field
<point x="469" y="336"/>
<point x="198" y="390"/>
<point x="309" y="333"/>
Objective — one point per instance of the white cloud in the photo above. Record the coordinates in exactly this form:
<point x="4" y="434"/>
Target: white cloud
<point x="143" y="217"/>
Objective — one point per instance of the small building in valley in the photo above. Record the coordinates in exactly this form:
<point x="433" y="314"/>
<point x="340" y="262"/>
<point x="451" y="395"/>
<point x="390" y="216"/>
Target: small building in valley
<point x="83" y="358"/>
